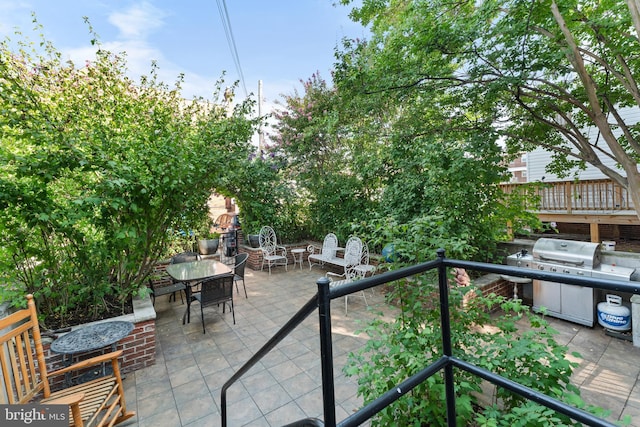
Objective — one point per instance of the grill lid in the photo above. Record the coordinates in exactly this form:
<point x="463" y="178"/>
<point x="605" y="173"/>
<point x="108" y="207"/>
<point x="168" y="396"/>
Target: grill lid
<point x="567" y="252"/>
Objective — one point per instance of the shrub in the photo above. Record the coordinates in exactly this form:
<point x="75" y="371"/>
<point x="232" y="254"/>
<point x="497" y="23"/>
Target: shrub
<point x="400" y="348"/>
<point x="95" y="172"/>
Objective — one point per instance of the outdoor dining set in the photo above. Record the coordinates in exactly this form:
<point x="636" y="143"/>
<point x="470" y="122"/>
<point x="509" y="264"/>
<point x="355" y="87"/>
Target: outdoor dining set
<point x="210" y="281"/>
<point x="96" y="394"/>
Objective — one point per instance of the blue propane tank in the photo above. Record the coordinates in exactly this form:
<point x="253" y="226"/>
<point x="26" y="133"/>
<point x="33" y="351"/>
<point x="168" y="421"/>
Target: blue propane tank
<point x="613" y="315"/>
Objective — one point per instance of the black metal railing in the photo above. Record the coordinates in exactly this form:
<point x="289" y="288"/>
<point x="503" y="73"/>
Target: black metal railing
<point x="447" y="362"/>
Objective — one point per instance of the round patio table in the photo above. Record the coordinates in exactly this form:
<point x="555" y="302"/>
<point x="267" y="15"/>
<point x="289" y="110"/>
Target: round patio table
<point x="298" y="257"/>
<point x="90" y="338"/>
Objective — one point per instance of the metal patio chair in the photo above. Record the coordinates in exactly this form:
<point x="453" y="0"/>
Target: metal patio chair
<point x="238" y="271"/>
<point x="272" y="253"/>
<point x="216" y="290"/>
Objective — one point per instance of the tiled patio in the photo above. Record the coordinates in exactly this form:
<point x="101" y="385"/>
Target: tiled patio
<point x="183" y="387"/>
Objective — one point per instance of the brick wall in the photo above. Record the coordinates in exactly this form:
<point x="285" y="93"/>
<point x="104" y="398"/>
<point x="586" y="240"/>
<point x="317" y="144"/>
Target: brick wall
<point x="254" y="261"/>
<point x="493" y="283"/>
<point x="500" y="287"/>
<point x="139" y="347"/>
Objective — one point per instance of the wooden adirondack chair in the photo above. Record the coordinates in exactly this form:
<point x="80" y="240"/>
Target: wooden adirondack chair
<point x="25" y="379"/>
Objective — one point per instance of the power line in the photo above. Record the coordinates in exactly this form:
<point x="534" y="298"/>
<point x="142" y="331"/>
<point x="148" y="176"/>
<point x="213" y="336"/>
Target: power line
<point x="226" y="23"/>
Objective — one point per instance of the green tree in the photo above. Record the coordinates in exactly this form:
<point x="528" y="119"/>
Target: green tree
<point x="436" y="154"/>
<point x="96" y="172"/>
<point x="264" y="196"/>
<point x="548" y="74"/>
<point x="324" y="160"/>
<point x="360" y="154"/>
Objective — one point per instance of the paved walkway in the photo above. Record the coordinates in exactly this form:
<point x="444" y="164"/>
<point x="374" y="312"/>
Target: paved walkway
<point x="183" y="388"/>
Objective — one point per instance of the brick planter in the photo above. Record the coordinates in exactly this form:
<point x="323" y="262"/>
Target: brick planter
<point x="139" y="346"/>
<point x="254" y="261"/>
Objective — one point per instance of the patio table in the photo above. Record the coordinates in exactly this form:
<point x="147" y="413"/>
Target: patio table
<point x="90" y="338"/>
<point x="298" y="257"/>
<point x="193" y="272"/>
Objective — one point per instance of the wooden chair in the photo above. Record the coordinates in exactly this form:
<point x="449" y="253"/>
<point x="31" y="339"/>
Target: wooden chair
<point x="25" y="379"/>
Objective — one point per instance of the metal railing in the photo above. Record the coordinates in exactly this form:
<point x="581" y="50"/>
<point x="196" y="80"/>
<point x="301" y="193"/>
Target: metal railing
<point x="446" y="363"/>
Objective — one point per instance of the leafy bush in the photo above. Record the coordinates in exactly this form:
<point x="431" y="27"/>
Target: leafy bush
<point x="263" y="196"/>
<point x="95" y="171"/>
<point x="362" y="157"/>
<point x="400" y="348"/>
<point x="418" y="239"/>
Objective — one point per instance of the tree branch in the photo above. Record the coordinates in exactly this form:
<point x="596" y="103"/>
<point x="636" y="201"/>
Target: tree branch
<point x="590" y="86"/>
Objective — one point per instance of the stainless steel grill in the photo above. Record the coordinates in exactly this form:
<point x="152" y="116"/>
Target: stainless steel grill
<point x="570" y="302"/>
<point x="574" y="257"/>
<point x="566" y="253"/>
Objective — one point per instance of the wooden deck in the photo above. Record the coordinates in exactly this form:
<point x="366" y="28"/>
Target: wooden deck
<point x="592" y="202"/>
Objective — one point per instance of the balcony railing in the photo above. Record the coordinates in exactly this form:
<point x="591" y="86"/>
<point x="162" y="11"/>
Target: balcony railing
<point x="601" y="196"/>
<point x="446" y="363"/>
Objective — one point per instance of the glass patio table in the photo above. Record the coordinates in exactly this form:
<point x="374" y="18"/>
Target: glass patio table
<point x="193" y="272"/>
<point x="197" y="270"/>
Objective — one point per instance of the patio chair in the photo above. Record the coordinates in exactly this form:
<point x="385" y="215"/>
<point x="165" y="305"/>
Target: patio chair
<point x="365" y="267"/>
<point x="328" y="251"/>
<point x="272" y="253"/>
<point x="238" y="271"/>
<point x="187" y="256"/>
<point x="352" y="256"/>
<point x="165" y="285"/>
<point x="216" y="290"/>
<point x="98" y="402"/>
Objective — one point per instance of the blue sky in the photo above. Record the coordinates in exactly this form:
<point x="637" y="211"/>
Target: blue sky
<point x="278" y="42"/>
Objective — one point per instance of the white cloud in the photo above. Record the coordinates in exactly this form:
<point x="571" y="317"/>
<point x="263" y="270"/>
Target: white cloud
<point x="134" y="25"/>
<point x="138" y="21"/>
<point x="139" y="56"/>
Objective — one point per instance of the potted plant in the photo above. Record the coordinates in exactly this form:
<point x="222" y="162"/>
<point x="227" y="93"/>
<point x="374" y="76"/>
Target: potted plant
<point x="251" y="230"/>
<point x="254" y="240"/>
<point x="208" y="242"/>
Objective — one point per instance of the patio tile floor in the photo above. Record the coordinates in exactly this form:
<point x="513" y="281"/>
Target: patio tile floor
<point x="183" y="388"/>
